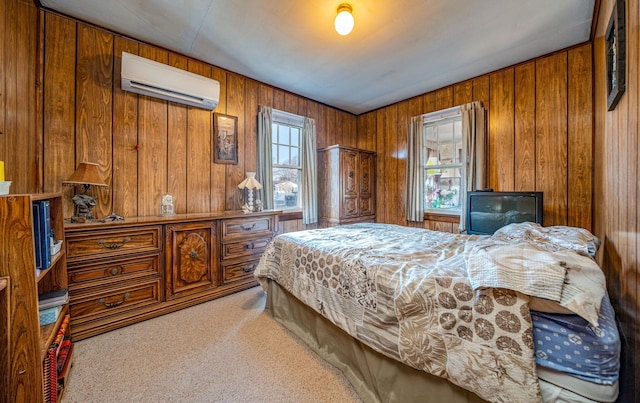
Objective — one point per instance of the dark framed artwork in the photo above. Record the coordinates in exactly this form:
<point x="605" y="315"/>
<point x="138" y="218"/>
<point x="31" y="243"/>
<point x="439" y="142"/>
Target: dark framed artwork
<point x="615" y="48"/>
<point x="225" y="139"/>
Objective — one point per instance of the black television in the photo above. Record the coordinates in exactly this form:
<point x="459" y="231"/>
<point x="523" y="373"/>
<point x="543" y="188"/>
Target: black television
<point x="488" y="211"/>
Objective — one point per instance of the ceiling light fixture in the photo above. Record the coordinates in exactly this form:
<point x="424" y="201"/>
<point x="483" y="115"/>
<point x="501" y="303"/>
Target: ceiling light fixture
<point x="344" y="19"/>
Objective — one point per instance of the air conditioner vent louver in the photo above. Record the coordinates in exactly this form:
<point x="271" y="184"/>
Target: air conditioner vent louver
<point x="147" y="77"/>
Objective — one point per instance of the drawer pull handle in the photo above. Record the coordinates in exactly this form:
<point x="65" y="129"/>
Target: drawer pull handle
<point x="193" y="254"/>
<point x="115" y="303"/>
<point x="248" y="227"/>
<point x="251" y="245"/>
<point x="249" y="269"/>
<point x="351" y="174"/>
<point x="116" y="270"/>
<point x="113" y="246"/>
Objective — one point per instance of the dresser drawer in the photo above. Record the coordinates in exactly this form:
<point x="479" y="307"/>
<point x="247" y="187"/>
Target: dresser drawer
<point x="111" y="271"/>
<point x="94" y="245"/>
<point x="250" y="247"/>
<point x="236" y="228"/>
<point x="235" y="271"/>
<point x="90" y="306"/>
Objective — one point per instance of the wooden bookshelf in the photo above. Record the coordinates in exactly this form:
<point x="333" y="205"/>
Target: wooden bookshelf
<point x="27" y="341"/>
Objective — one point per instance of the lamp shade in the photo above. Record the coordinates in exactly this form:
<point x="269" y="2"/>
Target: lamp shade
<point x="86" y="174"/>
<point x="250" y="182"/>
<point x="344" y="20"/>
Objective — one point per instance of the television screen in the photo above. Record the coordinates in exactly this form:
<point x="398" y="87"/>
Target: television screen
<point x="489" y="211"/>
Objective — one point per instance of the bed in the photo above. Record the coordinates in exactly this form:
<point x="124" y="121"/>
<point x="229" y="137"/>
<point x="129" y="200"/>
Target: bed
<point x="415" y="315"/>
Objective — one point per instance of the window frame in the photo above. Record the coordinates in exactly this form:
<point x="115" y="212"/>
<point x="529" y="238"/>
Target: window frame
<point x="445" y="116"/>
<point x="280" y="118"/>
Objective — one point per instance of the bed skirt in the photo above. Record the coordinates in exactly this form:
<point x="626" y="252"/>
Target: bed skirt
<point x="375" y="377"/>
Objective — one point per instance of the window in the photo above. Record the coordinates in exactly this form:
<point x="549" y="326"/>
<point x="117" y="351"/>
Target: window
<point x="286" y="131"/>
<point x="444" y="152"/>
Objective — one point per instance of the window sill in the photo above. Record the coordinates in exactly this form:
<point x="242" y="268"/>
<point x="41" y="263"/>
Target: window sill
<point x="450" y="216"/>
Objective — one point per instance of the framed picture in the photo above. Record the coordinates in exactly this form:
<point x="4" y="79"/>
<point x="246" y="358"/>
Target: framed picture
<point x="225" y="139"/>
<point x="615" y="48"/>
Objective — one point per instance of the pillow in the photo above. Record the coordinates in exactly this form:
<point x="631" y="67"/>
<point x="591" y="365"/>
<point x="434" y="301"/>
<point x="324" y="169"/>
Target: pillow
<point x="577" y="239"/>
<point x="553" y="250"/>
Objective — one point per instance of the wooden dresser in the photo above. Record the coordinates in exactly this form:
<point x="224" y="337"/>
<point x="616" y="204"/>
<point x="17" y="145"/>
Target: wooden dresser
<point x="346" y="185"/>
<point x="128" y="271"/>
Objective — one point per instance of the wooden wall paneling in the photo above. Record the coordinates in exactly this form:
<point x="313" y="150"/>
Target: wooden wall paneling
<point x="278" y="100"/>
<point x="402" y="130"/>
<point x="481" y="92"/>
<point x="391" y="163"/>
<point x="580" y="137"/>
<point x="94" y="102"/>
<point x="217" y="171"/>
<point x="152" y="140"/>
<point x="551" y="136"/>
<point x="444" y="98"/>
<point x="124" y="185"/>
<point x="291" y="103"/>
<point x="4" y="34"/>
<point x="353" y="130"/>
<point x="463" y="93"/>
<point x="26" y="52"/>
<point x="235" y="173"/>
<point x="429" y="102"/>
<point x="381" y="190"/>
<point x="265" y="95"/>
<point x="330" y="128"/>
<point x="250" y="127"/>
<point x="199" y="152"/>
<point x="501" y="135"/>
<point x="39" y="99"/>
<point x="525" y="127"/>
<point x="177" y="146"/>
<point x="59" y="119"/>
<point x="368" y="142"/>
<point x="339" y="136"/>
<point x="321" y="127"/>
<point x="10" y="94"/>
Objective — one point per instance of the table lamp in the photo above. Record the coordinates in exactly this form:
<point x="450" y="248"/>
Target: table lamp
<point x="250" y="183"/>
<point x="86" y="175"/>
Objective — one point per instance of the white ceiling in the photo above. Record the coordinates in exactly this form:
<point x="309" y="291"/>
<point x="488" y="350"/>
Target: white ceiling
<point x="398" y="49"/>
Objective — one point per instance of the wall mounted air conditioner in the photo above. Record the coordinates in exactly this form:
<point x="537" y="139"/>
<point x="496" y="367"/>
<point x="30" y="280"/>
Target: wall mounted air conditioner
<point x="147" y="77"/>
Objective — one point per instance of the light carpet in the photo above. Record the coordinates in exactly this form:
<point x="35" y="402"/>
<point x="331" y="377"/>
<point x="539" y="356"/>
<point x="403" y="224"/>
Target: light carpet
<point x="225" y="350"/>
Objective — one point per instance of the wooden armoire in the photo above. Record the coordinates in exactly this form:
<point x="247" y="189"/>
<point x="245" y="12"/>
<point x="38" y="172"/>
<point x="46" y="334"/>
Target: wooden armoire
<point x="346" y="185"/>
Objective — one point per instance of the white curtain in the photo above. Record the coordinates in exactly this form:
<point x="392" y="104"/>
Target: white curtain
<point x="309" y="178"/>
<point x="264" y="157"/>
<point x="415" y="171"/>
<point x="474" y="167"/>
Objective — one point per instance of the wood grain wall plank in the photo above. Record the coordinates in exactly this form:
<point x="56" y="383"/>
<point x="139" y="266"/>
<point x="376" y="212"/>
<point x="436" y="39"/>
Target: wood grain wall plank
<point x="381" y="191"/>
<point x="152" y="141"/>
<point x="501" y="133"/>
<point x="580" y="143"/>
<point x="94" y="103"/>
<point x="391" y="163"/>
<point x="4" y="35"/>
<point x="551" y="136"/>
<point x="177" y="145"/>
<point x="235" y="107"/>
<point x="463" y="93"/>
<point x="12" y="91"/>
<point x="429" y="102"/>
<point x="250" y="155"/>
<point x="278" y="100"/>
<point x="125" y="137"/>
<point x="218" y="171"/>
<point x="402" y="135"/>
<point x="199" y="151"/>
<point x="321" y="127"/>
<point x="444" y="98"/>
<point x="59" y="105"/>
<point x="330" y="118"/>
<point x="525" y="127"/>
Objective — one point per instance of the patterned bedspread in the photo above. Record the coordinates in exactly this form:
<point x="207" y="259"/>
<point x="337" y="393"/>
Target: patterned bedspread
<point x="406" y="292"/>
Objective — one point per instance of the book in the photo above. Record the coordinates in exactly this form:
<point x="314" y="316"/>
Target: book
<point x="49" y="315"/>
<point x="50" y="376"/>
<point x="42" y="233"/>
<point x="37" y="236"/>
<point x="53" y="298"/>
